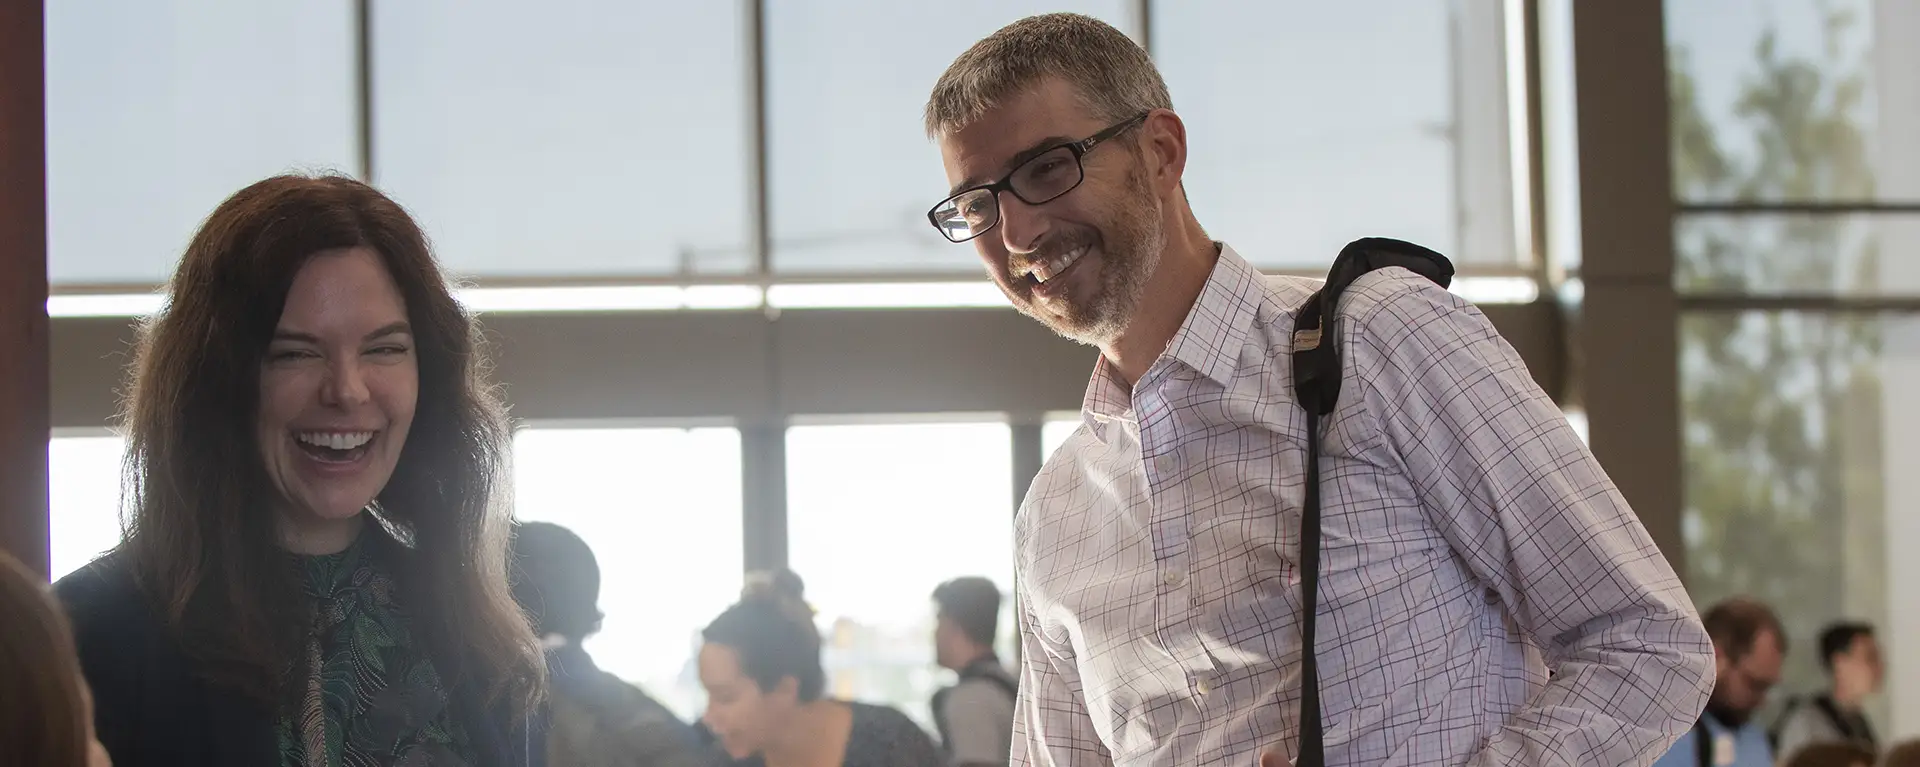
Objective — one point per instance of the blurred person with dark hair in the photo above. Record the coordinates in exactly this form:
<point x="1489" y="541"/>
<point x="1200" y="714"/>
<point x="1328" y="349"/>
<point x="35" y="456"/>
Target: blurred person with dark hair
<point x="1749" y="648"/>
<point x="975" y="716"/>
<point x="314" y="571"/>
<point x="1851" y="656"/>
<point x="597" y="720"/>
<point x="46" y="713"/>
<point x="766" y="691"/>
<point x="1829" y="755"/>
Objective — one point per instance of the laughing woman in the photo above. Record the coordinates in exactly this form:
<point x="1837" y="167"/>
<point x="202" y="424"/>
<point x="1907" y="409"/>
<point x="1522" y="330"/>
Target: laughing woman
<point x="314" y="571"/>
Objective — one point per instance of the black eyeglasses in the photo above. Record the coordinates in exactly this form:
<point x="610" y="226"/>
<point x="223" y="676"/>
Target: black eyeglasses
<point x="1041" y="179"/>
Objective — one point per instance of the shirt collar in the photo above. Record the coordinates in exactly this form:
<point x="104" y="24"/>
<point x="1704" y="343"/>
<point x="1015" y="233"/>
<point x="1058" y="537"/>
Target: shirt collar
<point x="1208" y="341"/>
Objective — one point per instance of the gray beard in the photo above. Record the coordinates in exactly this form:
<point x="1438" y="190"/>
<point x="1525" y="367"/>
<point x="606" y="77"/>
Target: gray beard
<point x="1123" y="283"/>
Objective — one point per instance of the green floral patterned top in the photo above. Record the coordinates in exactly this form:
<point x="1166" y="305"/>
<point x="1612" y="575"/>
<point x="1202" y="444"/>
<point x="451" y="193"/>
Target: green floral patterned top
<point x="371" y="699"/>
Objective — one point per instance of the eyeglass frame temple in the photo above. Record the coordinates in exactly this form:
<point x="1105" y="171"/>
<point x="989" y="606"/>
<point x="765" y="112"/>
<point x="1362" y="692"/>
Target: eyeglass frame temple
<point x="1078" y="148"/>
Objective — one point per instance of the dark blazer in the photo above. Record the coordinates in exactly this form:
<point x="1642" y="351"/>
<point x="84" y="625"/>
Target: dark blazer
<point x="151" y="709"/>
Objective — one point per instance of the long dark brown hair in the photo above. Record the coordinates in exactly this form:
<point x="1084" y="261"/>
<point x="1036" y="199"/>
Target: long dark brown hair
<point x="202" y="538"/>
<point x="43" y="715"/>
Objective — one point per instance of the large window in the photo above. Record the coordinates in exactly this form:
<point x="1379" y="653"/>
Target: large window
<point x="879" y="515"/>
<point x="572" y="138"/>
<point x="83" y="498"/>
<point x="158" y="110"/>
<point x="1312" y="124"/>
<point x="661" y="509"/>
<point x="852" y="173"/>
<point x="1791" y="129"/>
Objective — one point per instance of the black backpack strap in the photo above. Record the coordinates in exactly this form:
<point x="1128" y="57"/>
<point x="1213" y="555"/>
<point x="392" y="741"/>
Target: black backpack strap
<point x="1316" y="384"/>
<point x="1702" y="744"/>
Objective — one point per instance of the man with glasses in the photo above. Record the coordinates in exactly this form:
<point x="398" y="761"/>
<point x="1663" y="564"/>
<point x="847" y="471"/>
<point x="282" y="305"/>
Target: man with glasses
<point x="1487" y="596"/>
<point x="1748" y="648"/>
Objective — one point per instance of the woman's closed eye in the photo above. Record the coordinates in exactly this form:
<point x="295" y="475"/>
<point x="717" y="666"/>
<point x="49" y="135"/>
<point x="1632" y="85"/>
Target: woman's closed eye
<point x="290" y="355"/>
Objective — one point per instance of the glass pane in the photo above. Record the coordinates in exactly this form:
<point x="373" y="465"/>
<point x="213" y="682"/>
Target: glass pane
<point x="1292" y="156"/>
<point x="1842" y="255"/>
<point x="157" y="111"/>
<point x="661" y="508"/>
<point x="1055" y="432"/>
<point x="581" y="139"/>
<point x="1791" y="100"/>
<point x="83" y="499"/>
<point x="852" y="173"/>
<point x="1799" y="488"/>
<point x="879" y="515"/>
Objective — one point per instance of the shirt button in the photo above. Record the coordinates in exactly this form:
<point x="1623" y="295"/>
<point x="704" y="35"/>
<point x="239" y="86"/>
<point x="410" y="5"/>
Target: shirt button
<point x="1202" y="686"/>
<point x="1173" y="577"/>
<point x="1167" y="463"/>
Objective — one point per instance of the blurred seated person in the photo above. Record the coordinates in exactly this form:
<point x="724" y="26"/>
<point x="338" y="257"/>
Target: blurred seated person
<point x="597" y="720"/>
<point x="1851" y="657"/>
<point x="315" y="567"/>
<point x="766" y="703"/>
<point x="1748" y="649"/>
<point x="1829" y="755"/>
<point x="975" y="716"/>
<point x="46" y="715"/>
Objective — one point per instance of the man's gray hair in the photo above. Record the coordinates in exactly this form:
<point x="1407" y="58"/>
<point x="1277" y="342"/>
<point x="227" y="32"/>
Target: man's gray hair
<point x="1112" y="74"/>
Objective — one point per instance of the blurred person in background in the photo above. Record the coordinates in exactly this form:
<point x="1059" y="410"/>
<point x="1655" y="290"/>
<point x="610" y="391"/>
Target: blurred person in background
<point x="597" y="720"/>
<point x="975" y="716"/>
<point x="766" y="691"/>
<point x="314" y="571"/>
<point x="1749" y="648"/>
<point x="1851" y="656"/>
<point x="1488" y="596"/>
<point x="46" y="713"/>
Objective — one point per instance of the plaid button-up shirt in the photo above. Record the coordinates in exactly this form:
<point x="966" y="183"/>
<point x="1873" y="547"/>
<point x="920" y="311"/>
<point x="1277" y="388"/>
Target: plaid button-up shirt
<point x="1487" y="597"/>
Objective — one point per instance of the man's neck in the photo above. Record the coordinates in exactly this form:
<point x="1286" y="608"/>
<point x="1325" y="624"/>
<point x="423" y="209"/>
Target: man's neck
<point x="1174" y="287"/>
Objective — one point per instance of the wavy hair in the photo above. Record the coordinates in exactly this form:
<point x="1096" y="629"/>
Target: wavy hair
<point x="201" y="541"/>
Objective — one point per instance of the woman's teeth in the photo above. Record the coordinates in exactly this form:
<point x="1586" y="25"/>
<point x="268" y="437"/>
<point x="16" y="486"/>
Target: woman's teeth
<point x="335" y="440"/>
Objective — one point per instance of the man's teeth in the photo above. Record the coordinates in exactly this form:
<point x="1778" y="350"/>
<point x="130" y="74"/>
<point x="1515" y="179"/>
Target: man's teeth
<point x="336" y="440"/>
<point x="1046" y="270"/>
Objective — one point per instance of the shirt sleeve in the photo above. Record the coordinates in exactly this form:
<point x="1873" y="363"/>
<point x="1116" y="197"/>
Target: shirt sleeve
<point x="1051" y="727"/>
<point x="1525" y="506"/>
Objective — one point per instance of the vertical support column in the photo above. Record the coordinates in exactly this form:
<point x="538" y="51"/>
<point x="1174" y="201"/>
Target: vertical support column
<point x="1143" y="24"/>
<point x="1483" y="156"/>
<point x="763" y="469"/>
<point x="759" y="206"/>
<point x="1896" y="76"/>
<point x="763" y="440"/>
<point x="1029" y="454"/>
<point x="363" y="84"/>
<point x="1629" y="334"/>
<point x="24" y="389"/>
